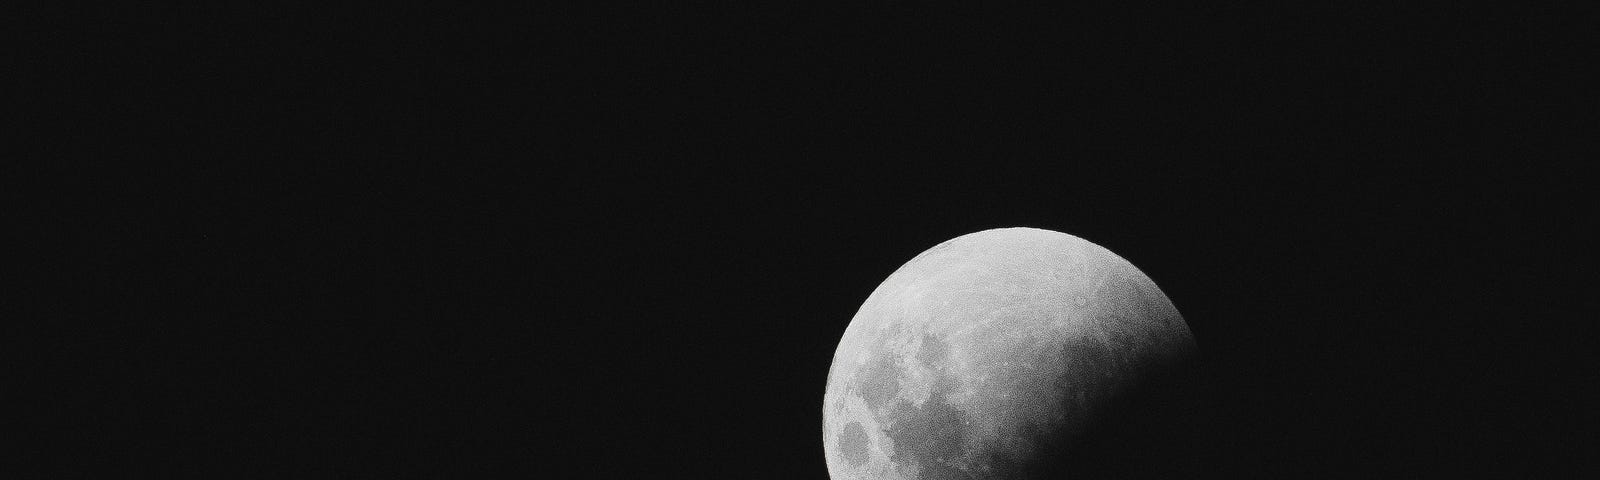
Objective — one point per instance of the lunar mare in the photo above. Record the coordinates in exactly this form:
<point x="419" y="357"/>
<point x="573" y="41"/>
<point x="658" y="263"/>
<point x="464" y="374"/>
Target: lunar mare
<point x="966" y="360"/>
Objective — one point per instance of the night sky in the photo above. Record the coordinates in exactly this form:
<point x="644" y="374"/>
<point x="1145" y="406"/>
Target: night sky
<point x="465" y="243"/>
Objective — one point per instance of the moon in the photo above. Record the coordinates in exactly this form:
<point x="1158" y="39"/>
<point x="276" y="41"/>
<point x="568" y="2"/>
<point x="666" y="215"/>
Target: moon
<point x="973" y="358"/>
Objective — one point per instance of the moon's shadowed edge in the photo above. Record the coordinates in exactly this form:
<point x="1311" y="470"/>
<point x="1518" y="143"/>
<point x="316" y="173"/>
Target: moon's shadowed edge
<point x="1144" y="432"/>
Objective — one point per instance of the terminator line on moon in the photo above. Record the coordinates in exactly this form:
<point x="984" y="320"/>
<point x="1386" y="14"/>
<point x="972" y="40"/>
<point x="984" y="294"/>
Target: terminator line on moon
<point x="960" y="362"/>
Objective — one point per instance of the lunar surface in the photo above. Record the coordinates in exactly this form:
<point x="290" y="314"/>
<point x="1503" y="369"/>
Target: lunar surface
<point x="975" y="357"/>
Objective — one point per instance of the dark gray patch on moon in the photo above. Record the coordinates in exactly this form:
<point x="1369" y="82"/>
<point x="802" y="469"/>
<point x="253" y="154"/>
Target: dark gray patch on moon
<point x="1039" y="463"/>
<point x="1091" y="373"/>
<point x="933" y="351"/>
<point x="880" y="381"/>
<point x="930" y="436"/>
<point x="853" y="444"/>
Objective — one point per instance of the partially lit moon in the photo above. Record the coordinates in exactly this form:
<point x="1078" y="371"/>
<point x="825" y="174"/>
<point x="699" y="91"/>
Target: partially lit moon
<point x="965" y="360"/>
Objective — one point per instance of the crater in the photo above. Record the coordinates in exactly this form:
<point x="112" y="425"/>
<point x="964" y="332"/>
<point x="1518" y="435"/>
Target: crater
<point x="853" y="444"/>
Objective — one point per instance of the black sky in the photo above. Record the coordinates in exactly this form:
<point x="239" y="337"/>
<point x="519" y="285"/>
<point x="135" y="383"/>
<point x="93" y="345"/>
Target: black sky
<point x="466" y="243"/>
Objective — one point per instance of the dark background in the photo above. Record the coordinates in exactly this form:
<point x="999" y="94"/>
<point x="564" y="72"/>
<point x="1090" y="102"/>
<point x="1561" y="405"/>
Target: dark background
<point x="619" y="243"/>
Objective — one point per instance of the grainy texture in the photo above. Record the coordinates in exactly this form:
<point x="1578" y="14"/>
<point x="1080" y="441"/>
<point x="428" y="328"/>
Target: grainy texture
<point x="977" y="357"/>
